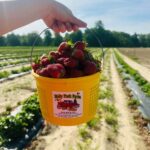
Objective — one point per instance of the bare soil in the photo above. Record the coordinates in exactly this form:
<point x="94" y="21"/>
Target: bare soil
<point x="141" y="55"/>
<point x="144" y="71"/>
<point x="15" y="91"/>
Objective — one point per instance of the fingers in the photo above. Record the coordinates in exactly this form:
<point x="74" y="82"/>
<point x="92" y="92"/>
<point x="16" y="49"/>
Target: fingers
<point x="75" y="28"/>
<point x="78" y="22"/>
<point x="58" y="26"/>
<point x="63" y="27"/>
<point x="68" y="27"/>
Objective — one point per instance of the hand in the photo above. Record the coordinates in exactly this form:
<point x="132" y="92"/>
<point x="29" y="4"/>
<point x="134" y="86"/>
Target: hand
<point x="60" y="19"/>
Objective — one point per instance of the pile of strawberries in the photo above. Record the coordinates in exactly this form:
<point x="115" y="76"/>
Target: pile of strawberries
<point x="69" y="61"/>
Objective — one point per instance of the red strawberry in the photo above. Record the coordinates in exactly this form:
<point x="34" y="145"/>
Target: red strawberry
<point x="76" y="73"/>
<point x="80" y="45"/>
<point x="56" y="70"/>
<point x="61" y="60"/>
<point x="78" y="54"/>
<point x="54" y="55"/>
<point x="68" y="71"/>
<point x="64" y="46"/>
<point x="35" y="66"/>
<point x="90" y="68"/>
<point x="43" y="56"/>
<point x="42" y="72"/>
<point x="70" y="62"/>
<point x="45" y="61"/>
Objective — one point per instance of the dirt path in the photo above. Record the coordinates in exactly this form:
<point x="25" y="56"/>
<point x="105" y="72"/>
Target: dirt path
<point x="128" y="137"/>
<point x="140" y="55"/>
<point x="63" y="138"/>
<point x="145" y="72"/>
<point x="15" y="91"/>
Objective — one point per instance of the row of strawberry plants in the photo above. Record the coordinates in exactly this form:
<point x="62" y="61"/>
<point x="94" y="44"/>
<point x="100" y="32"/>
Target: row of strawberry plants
<point x="22" y="49"/>
<point x="14" y="62"/>
<point x="12" y="128"/>
<point x="144" y="84"/>
<point x="20" y="56"/>
<point x="6" y="74"/>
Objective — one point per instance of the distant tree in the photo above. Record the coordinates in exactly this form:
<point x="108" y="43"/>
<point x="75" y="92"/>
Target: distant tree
<point x="13" y="40"/>
<point x="2" y="41"/>
<point x="135" y="40"/>
<point x="148" y="40"/>
<point x="57" y="39"/>
<point x="31" y="38"/>
<point x="24" y="40"/>
<point x="99" y="24"/>
<point x="75" y="36"/>
<point x="67" y="37"/>
<point x="108" y="38"/>
<point x="143" y="40"/>
<point x="47" y="38"/>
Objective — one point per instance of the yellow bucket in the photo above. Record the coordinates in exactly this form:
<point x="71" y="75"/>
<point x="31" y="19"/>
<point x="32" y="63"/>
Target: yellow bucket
<point x="69" y="101"/>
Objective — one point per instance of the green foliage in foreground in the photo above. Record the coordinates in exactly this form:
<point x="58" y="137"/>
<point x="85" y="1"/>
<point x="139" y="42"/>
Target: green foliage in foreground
<point x="13" y="128"/>
<point x="110" y="114"/>
<point x="144" y="84"/>
<point x="6" y="74"/>
<point x="134" y="103"/>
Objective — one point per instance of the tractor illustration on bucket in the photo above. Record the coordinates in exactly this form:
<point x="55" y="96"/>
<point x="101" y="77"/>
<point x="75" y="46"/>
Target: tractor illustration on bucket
<point x="70" y="105"/>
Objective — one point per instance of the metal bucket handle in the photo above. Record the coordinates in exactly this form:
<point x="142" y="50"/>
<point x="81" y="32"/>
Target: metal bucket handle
<point x="93" y="33"/>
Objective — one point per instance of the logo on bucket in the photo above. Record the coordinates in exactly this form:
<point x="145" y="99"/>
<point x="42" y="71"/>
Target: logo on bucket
<point x="68" y="104"/>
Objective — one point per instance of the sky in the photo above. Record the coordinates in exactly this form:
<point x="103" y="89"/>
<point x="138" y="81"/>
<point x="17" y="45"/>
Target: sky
<point x="117" y="15"/>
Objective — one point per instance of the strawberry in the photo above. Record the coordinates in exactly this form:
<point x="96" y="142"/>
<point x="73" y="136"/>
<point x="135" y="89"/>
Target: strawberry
<point x="70" y="62"/>
<point x="68" y="72"/>
<point x="54" y="55"/>
<point x="61" y="60"/>
<point x="90" y="68"/>
<point x="64" y="46"/>
<point x="42" y="72"/>
<point x="80" y="45"/>
<point x="45" y="61"/>
<point x="76" y="73"/>
<point x="35" y="66"/>
<point x="78" y="54"/>
<point x="56" y="70"/>
<point x="43" y="56"/>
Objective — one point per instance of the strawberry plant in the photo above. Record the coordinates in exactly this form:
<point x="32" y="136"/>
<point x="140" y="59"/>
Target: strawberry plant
<point x="12" y="128"/>
<point x="145" y="85"/>
<point x="4" y="74"/>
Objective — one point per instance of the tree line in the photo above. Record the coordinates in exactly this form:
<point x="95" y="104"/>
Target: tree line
<point x="107" y="38"/>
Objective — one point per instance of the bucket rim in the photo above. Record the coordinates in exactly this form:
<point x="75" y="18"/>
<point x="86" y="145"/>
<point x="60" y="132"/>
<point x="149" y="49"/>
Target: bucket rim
<point x="66" y="79"/>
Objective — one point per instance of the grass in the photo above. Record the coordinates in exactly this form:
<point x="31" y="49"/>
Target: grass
<point x="84" y="133"/>
<point x="4" y="74"/>
<point x="111" y="119"/>
<point x="134" y="103"/>
<point x="110" y="114"/>
<point x="93" y="124"/>
<point x="108" y="108"/>
<point x="105" y="93"/>
<point x="104" y="78"/>
<point x="8" y="108"/>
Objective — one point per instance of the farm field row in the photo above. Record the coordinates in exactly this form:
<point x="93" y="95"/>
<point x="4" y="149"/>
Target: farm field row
<point x="117" y="130"/>
<point x="113" y="127"/>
